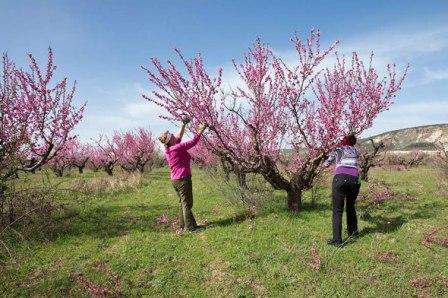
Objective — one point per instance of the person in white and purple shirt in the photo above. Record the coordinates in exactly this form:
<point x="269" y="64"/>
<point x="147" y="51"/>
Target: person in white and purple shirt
<point x="345" y="187"/>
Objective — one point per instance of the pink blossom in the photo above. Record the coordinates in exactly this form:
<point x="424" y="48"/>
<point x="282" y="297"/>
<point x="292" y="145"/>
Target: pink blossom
<point x="135" y="149"/>
<point x="306" y="107"/>
<point x="37" y="116"/>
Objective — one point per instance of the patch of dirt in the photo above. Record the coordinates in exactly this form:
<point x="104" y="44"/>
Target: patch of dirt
<point x="215" y="210"/>
<point x="315" y="258"/>
<point x="257" y="288"/>
<point x="89" y="286"/>
<point x="386" y="257"/>
<point x="33" y="278"/>
<point x="219" y="273"/>
<point x="113" y="277"/>
<point x="97" y="290"/>
<point x="432" y="237"/>
<point x="420" y="282"/>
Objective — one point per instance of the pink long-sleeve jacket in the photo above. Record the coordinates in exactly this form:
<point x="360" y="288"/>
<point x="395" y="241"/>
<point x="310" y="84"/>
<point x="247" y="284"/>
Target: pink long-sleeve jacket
<point x="178" y="158"/>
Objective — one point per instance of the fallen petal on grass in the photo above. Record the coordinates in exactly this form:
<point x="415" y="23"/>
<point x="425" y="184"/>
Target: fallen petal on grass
<point x="315" y="258"/>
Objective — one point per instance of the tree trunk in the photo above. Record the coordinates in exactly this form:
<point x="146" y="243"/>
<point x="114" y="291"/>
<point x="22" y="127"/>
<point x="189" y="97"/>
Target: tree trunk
<point x="109" y="171"/>
<point x="12" y="215"/>
<point x="226" y="175"/>
<point x="364" y="175"/>
<point x="241" y="177"/>
<point x="2" y="204"/>
<point x="81" y="169"/>
<point x="294" y="200"/>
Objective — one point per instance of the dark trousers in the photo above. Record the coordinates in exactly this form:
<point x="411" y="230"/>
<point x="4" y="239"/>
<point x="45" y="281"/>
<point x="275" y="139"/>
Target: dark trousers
<point x="184" y="189"/>
<point x="345" y="188"/>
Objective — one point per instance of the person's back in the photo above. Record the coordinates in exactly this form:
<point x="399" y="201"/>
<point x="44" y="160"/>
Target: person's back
<point x="345" y="187"/>
<point x="346" y="160"/>
<point x="179" y="159"/>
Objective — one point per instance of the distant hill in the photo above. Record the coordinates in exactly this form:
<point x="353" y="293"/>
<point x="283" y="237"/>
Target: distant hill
<point x="420" y="137"/>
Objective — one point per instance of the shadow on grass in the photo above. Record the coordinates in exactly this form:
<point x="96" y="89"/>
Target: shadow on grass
<point x="101" y="222"/>
<point x="235" y="219"/>
<point x="112" y="221"/>
<point x="389" y="224"/>
<point x="276" y="208"/>
<point x="382" y="224"/>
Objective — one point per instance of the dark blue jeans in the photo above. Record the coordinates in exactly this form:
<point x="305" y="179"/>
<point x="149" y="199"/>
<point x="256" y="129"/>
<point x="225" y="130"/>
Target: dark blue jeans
<point x="345" y="190"/>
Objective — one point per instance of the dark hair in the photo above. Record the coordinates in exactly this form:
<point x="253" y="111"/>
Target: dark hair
<point x="351" y="139"/>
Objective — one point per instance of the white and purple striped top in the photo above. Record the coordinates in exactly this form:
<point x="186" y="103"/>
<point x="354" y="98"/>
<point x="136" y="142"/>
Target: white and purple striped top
<point x="346" y="159"/>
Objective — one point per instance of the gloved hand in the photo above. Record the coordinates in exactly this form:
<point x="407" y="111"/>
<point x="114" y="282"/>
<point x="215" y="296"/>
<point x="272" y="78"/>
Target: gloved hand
<point x="185" y="120"/>
<point x="202" y="127"/>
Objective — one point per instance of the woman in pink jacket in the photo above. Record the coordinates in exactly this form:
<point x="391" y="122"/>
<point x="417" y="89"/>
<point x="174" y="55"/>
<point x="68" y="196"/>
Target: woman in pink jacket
<point x="178" y="159"/>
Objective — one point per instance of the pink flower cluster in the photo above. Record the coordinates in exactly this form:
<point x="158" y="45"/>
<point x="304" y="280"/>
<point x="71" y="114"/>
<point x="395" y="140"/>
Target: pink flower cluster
<point x="37" y="116"/>
<point x="305" y="106"/>
<point x="72" y="154"/>
<point x="132" y="150"/>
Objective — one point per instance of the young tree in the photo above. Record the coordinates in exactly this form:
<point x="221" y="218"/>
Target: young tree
<point x="105" y="155"/>
<point x="442" y="158"/>
<point x="37" y="117"/>
<point x="95" y="158"/>
<point x="135" y="150"/>
<point x="415" y="158"/>
<point x="407" y="160"/>
<point x="305" y="107"/>
<point x="62" y="160"/>
<point x="79" y="155"/>
<point x="370" y="157"/>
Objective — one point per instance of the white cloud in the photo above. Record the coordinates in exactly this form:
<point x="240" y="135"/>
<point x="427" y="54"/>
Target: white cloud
<point x="405" y="115"/>
<point x="142" y="109"/>
<point x="401" y="42"/>
<point x="127" y="109"/>
<point x="435" y="74"/>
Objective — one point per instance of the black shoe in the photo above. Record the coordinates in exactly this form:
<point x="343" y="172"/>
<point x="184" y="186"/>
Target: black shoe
<point x="353" y="234"/>
<point x="334" y="243"/>
<point x="196" y="229"/>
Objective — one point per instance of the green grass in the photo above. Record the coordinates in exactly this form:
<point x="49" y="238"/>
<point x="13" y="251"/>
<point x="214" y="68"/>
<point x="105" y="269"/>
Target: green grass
<point x="113" y="236"/>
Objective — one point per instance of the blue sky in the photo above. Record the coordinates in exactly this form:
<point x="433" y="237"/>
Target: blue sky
<point x="102" y="44"/>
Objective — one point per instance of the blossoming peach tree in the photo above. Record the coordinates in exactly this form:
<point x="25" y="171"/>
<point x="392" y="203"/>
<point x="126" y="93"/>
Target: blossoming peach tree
<point x="301" y="106"/>
<point x="79" y="155"/>
<point x="37" y="117"/>
<point x="135" y="150"/>
<point x="131" y="150"/>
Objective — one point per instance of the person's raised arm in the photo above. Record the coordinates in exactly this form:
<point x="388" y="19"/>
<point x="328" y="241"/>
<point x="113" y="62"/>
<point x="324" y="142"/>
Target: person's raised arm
<point x="190" y="144"/>
<point x="180" y="134"/>
<point x="331" y="158"/>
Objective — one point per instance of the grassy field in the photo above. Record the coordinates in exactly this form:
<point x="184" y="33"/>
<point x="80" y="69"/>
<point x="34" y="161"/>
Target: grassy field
<point x="116" y="242"/>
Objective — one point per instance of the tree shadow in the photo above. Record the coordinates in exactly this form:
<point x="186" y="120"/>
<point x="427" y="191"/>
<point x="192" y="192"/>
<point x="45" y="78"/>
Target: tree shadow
<point x="240" y="217"/>
<point x="313" y="207"/>
<point x="389" y="224"/>
<point x="383" y="224"/>
<point x="234" y="219"/>
<point x="102" y="222"/>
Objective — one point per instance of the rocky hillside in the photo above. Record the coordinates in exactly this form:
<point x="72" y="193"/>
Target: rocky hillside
<point x="420" y="137"/>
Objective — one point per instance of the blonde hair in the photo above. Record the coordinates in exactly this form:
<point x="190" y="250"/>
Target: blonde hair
<point x="165" y="138"/>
